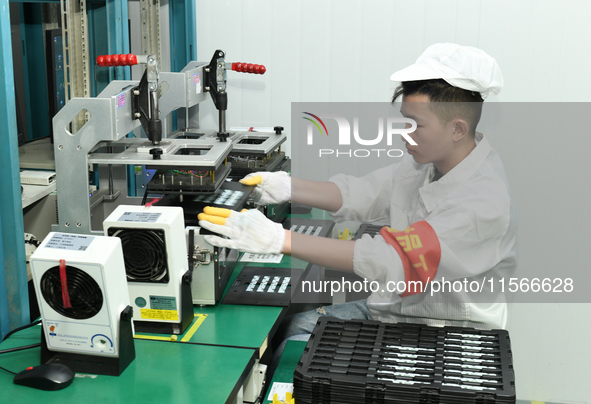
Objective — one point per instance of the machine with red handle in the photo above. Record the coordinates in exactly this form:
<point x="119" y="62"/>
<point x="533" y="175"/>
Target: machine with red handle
<point x="215" y="81"/>
<point x="131" y="60"/>
<point x="189" y="150"/>
<point x="248" y="68"/>
<point x="117" y="60"/>
<point x="144" y="96"/>
<point x="145" y="108"/>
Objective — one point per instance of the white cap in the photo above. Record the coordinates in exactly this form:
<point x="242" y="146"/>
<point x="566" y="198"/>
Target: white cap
<point x="461" y="66"/>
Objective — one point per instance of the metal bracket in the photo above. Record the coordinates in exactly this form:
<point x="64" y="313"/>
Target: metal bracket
<point x="204" y="257"/>
<point x="215" y="83"/>
<point x="144" y="102"/>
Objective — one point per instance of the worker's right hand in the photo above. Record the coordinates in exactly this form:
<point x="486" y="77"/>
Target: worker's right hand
<point x="271" y="187"/>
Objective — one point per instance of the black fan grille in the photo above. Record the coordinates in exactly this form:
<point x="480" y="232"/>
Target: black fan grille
<point x="144" y="252"/>
<point x="86" y="296"/>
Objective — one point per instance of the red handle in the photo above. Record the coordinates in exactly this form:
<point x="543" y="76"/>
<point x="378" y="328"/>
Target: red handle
<point x="249" y="68"/>
<point x="116" y="60"/>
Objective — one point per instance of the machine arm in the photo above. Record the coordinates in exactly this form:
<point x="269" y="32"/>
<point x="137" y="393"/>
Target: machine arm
<point x="215" y="83"/>
<point x="145" y="95"/>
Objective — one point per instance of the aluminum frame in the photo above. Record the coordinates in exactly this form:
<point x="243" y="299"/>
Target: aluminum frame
<point x="102" y="141"/>
<point x="110" y="119"/>
<point x="272" y="141"/>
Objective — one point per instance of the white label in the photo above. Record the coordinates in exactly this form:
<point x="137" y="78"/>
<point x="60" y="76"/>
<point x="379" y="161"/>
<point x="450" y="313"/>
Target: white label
<point x="75" y="242"/>
<point x="284" y="284"/>
<point x="142" y="217"/>
<point x="252" y="283"/>
<point x="263" y="258"/>
<point x="263" y="284"/>
<point x="65" y="335"/>
<point x="280" y="389"/>
<point x="274" y="284"/>
<point x="197" y="83"/>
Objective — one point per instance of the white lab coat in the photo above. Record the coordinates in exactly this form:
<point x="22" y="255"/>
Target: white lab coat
<point x="470" y="210"/>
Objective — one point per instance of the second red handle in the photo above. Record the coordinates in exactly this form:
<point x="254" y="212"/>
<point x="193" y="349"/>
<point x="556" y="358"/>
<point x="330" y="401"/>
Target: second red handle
<point x="116" y="60"/>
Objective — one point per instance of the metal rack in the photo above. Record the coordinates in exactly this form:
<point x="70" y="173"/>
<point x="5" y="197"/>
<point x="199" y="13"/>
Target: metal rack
<point x="96" y="21"/>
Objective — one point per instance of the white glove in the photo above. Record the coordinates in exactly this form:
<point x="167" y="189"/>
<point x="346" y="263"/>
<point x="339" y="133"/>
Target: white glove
<point x="271" y="187"/>
<point x="248" y="231"/>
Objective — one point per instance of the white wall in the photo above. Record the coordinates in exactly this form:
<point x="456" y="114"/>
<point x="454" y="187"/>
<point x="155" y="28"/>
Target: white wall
<point x="345" y="50"/>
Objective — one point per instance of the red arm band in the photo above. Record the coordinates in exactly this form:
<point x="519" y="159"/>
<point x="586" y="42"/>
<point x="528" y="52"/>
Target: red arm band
<point x="420" y="252"/>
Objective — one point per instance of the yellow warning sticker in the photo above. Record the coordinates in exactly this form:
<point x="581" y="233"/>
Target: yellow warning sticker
<point x="151" y="314"/>
<point x="199" y="318"/>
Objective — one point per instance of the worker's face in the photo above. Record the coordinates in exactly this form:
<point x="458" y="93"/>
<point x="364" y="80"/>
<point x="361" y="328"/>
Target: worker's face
<point x="434" y="139"/>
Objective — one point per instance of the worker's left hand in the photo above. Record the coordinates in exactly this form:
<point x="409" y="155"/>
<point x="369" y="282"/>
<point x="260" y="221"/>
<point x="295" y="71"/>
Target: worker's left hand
<point x="248" y="231"/>
<point x="270" y="187"/>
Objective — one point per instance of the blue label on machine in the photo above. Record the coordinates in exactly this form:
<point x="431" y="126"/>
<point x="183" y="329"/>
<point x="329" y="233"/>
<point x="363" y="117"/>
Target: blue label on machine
<point x="162" y="303"/>
<point x="75" y="242"/>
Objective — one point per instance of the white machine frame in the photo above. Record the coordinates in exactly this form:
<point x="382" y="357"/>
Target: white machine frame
<point x="103" y="261"/>
<point x="170" y="220"/>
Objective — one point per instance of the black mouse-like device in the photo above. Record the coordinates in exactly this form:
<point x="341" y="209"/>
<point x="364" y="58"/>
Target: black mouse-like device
<point x="52" y="376"/>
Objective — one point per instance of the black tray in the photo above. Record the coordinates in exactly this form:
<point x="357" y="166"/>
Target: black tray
<point x="366" y="228"/>
<point x="363" y="361"/>
<point x="250" y="288"/>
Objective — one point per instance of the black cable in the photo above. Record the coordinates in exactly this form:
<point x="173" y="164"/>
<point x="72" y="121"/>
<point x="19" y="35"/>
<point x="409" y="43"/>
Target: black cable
<point x="6" y="370"/>
<point x="145" y="196"/>
<point x="21" y="328"/>
<point x="20" y="348"/>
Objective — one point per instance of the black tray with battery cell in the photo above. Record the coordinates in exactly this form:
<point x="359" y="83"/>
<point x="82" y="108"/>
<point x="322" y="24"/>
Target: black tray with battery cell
<point x="364" y="361"/>
<point x="240" y="169"/>
<point x="263" y="286"/>
<point x="313" y="227"/>
<point x="187" y="180"/>
<point x="366" y="228"/>
<point x="244" y="164"/>
<point x="231" y="195"/>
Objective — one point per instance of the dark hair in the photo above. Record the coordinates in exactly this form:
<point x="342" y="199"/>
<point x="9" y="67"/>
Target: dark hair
<point x="441" y="94"/>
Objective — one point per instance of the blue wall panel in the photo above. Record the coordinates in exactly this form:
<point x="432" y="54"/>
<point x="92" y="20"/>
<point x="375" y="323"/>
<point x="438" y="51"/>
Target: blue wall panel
<point x="13" y="290"/>
<point x="183" y="33"/>
<point x="35" y="71"/>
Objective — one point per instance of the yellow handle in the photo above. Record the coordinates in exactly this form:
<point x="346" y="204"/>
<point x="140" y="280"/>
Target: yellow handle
<point x="257" y="179"/>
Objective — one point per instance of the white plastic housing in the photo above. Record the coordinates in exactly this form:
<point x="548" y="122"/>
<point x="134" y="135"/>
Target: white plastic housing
<point x="170" y="219"/>
<point x="102" y="259"/>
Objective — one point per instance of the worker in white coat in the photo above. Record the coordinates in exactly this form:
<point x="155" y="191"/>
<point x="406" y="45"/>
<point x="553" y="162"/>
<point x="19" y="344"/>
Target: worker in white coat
<point x="451" y="220"/>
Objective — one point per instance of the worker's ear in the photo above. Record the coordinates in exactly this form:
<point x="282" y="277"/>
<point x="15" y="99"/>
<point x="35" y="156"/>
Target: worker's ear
<point x="460" y="129"/>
